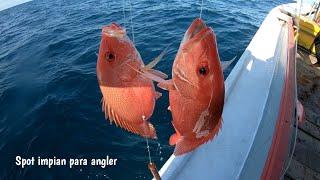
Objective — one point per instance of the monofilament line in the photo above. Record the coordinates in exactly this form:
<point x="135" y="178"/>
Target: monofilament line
<point x="201" y="8"/>
<point x="132" y="30"/>
<point x="148" y="150"/>
<point x="124" y="13"/>
<point x="143" y="116"/>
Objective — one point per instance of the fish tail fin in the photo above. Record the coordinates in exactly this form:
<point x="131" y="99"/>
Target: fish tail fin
<point x="186" y="145"/>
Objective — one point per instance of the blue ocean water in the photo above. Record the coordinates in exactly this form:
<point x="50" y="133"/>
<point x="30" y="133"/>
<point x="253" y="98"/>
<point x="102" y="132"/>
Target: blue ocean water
<point x="49" y="96"/>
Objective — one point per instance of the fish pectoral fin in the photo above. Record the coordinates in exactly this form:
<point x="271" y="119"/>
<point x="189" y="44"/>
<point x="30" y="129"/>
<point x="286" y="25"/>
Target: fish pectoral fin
<point x="155" y="72"/>
<point x="226" y="64"/>
<point x="147" y="74"/>
<point x="151" y="74"/>
<point x="174" y="138"/>
<point x="156" y="60"/>
<point x="166" y="85"/>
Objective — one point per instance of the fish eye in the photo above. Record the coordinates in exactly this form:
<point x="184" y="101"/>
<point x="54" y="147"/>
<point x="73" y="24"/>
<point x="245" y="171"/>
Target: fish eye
<point x="110" y="56"/>
<point x="203" y="70"/>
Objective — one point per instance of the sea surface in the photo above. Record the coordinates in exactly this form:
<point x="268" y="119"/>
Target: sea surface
<point x="49" y="96"/>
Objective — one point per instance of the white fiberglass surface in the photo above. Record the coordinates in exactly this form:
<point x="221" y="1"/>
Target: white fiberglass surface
<point x="247" y="92"/>
<point x="5" y="4"/>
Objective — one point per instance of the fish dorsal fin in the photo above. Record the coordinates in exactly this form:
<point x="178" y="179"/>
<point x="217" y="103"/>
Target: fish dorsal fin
<point x="156" y="60"/>
<point x="226" y="64"/>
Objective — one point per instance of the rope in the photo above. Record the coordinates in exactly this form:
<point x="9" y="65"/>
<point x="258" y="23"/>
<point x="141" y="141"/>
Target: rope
<point x="293" y="148"/>
<point x="296" y="121"/>
<point x="201" y="8"/>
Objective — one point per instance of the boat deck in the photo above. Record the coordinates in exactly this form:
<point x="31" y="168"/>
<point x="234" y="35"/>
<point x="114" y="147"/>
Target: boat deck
<point x="306" y="158"/>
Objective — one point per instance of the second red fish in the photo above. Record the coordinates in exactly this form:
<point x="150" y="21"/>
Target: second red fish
<point x="196" y="91"/>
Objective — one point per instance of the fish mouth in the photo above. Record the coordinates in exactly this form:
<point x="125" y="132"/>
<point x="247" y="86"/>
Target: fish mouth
<point x="197" y="28"/>
<point x="114" y="30"/>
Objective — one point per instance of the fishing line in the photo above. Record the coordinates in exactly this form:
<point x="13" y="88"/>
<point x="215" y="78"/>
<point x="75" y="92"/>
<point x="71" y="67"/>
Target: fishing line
<point x="143" y="116"/>
<point x="124" y="13"/>
<point x="152" y="167"/>
<point x="201" y="8"/>
<point x="150" y="161"/>
<point x="132" y="30"/>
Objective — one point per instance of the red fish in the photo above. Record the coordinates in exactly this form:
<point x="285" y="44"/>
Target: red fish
<point x="128" y="94"/>
<point x="196" y="90"/>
